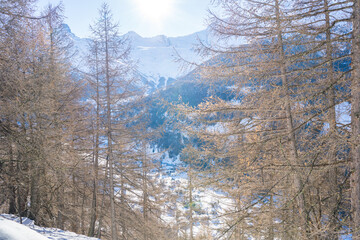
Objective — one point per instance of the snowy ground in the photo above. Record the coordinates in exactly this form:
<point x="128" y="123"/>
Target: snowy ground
<point x="11" y="229"/>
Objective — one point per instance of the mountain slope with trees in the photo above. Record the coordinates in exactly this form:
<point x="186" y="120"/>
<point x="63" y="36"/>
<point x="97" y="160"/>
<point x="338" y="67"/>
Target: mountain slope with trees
<point x="268" y="129"/>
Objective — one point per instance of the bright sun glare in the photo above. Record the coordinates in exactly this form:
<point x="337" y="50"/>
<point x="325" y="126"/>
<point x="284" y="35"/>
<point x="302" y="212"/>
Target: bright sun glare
<point x="155" y="11"/>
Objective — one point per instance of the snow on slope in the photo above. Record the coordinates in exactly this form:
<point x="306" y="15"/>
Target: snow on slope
<point x="155" y="57"/>
<point x="208" y="207"/>
<point x="11" y="229"/>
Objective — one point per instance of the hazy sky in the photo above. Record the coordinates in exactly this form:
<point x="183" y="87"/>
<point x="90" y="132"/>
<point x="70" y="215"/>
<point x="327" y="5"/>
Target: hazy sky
<point x="146" y="17"/>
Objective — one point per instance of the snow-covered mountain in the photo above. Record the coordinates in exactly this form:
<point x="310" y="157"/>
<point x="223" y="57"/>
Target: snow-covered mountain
<point x="155" y="57"/>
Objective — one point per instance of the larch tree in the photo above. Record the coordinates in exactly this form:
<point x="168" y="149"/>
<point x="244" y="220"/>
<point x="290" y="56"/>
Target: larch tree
<point x="114" y="89"/>
<point x="40" y="110"/>
<point x="325" y="26"/>
<point x="13" y="43"/>
<point x="269" y="103"/>
<point x="270" y="138"/>
<point x="105" y="34"/>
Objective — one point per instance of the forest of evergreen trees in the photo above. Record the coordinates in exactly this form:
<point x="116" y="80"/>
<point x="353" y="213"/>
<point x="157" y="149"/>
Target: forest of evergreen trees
<point x="271" y="126"/>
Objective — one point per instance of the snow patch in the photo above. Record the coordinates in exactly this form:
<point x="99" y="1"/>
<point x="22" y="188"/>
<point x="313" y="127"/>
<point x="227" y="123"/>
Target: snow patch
<point x="11" y="229"/>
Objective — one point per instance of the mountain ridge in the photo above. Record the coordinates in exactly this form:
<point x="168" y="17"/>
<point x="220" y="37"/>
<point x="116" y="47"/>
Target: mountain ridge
<point x="156" y="57"/>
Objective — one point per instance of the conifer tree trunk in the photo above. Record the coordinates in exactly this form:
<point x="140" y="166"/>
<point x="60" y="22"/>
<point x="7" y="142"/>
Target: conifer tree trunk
<point x="91" y="232"/>
<point x="355" y="122"/>
<point x="191" y="205"/>
<point x="332" y="122"/>
<point x="145" y="194"/>
<point x="12" y="188"/>
<point x="271" y="233"/>
<point x="293" y="155"/>
<point x="102" y="207"/>
<point x="122" y="202"/>
<point x="109" y="137"/>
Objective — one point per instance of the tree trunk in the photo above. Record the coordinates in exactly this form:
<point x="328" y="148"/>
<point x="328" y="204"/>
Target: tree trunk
<point x="109" y="135"/>
<point x="332" y="174"/>
<point x="191" y="220"/>
<point x="122" y="202"/>
<point x="145" y="195"/>
<point x="12" y="188"/>
<point x="271" y="233"/>
<point x="96" y="153"/>
<point x="355" y="122"/>
<point x="102" y="207"/>
<point x="60" y="203"/>
<point x="293" y="154"/>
